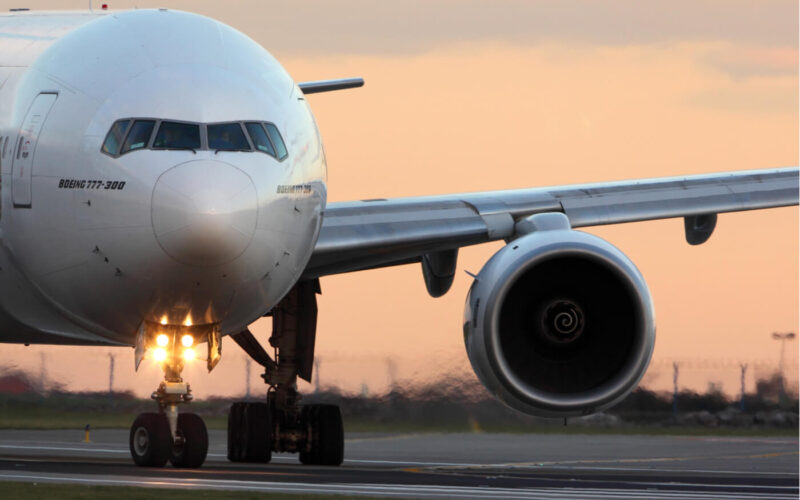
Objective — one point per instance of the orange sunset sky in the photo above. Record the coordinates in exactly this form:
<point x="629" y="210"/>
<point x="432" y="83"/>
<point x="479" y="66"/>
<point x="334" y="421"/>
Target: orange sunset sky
<point x="479" y="95"/>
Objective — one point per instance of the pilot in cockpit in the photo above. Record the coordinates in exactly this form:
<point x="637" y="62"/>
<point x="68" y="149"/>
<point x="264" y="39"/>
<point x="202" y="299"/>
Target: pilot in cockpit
<point x="224" y="141"/>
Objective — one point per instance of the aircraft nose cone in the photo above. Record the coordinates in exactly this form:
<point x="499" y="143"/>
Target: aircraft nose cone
<point x="204" y="212"/>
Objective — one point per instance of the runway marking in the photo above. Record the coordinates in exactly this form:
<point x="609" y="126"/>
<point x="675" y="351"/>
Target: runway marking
<point x="699" y="471"/>
<point x="772" y="455"/>
<point x="566" y="464"/>
<point x="122" y="451"/>
<point x="125" y="451"/>
<point x="713" y="439"/>
<point x="622" y="460"/>
<point x="386" y="438"/>
<point x="381" y="462"/>
<point x="222" y="455"/>
<point x="405" y="462"/>
<point x="60" y="448"/>
<point x="405" y="490"/>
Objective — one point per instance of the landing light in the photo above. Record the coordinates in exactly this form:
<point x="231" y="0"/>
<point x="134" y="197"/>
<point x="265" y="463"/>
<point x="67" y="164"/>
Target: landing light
<point x="188" y="354"/>
<point x="187" y="340"/>
<point x="162" y="340"/>
<point x="160" y="354"/>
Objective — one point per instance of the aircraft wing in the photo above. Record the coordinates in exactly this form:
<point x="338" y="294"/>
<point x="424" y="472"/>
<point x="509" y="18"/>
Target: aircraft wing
<point x="384" y="232"/>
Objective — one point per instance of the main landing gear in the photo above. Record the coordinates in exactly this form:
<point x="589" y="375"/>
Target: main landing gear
<point x="281" y="424"/>
<point x="158" y="437"/>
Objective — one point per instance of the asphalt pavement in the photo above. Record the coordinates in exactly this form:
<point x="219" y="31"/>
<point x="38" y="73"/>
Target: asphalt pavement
<point x="440" y="466"/>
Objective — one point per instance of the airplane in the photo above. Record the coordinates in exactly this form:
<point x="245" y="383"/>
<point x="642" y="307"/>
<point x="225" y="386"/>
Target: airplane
<point x="164" y="185"/>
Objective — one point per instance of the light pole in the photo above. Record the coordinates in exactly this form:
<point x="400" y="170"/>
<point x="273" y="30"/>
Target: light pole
<point x="783" y="337"/>
<point x="675" y="371"/>
<point x="110" y="375"/>
<point x="247" y="378"/>
<point x="743" y="367"/>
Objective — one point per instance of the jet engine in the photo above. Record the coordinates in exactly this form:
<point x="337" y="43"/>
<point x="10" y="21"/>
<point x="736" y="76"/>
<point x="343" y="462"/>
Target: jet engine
<point x="559" y="323"/>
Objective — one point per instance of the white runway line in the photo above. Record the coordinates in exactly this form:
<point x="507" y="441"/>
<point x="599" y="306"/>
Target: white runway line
<point x="642" y="469"/>
<point x="401" y="463"/>
<point x="222" y="455"/>
<point x="424" y="491"/>
<point x="730" y="439"/>
<point x="61" y="448"/>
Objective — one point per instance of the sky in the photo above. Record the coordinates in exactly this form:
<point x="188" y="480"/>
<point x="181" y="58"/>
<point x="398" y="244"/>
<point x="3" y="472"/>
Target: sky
<point x="477" y="95"/>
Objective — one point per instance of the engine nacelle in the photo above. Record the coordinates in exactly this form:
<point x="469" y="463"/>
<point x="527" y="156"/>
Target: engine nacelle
<point x="559" y="323"/>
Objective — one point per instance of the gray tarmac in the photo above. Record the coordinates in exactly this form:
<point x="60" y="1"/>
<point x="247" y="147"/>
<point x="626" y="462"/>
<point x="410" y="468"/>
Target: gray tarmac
<point x="440" y="466"/>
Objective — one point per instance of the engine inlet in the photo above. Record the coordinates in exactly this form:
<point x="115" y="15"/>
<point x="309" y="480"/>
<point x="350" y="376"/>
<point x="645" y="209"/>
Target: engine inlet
<point x="559" y="324"/>
<point x="562" y="321"/>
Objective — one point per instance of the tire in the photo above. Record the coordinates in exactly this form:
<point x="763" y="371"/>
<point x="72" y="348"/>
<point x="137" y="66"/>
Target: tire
<point x="327" y="435"/>
<point x="249" y="433"/>
<point x="309" y="417"/>
<point x="192" y="453"/>
<point x="234" y="432"/>
<point x="150" y="441"/>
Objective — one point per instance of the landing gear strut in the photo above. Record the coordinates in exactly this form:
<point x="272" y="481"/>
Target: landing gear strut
<point x="281" y="424"/>
<point x="166" y="435"/>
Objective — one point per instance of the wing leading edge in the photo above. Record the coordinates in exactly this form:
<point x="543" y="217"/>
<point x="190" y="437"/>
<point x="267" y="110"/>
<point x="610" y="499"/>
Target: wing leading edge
<point x="384" y="232"/>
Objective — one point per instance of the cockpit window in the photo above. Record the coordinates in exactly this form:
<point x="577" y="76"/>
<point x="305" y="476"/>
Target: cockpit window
<point x="259" y="138"/>
<point x="277" y="140"/>
<point x="139" y="135"/>
<point x="131" y="134"/>
<point x="114" y="138"/>
<point x="175" y="135"/>
<point x="227" y="137"/>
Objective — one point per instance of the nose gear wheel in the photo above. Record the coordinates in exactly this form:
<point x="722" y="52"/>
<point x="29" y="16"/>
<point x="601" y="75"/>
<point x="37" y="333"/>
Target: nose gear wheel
<point x="190" y="451"/>
<point x="150" y="440"/>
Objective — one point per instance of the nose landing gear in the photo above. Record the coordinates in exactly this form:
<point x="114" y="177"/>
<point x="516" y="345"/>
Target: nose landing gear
<point x="181" y="439"/>
<point x="281" y="424"/>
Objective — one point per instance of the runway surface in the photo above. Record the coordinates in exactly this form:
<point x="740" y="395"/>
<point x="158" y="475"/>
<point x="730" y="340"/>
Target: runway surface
<point x="440" y="466"/>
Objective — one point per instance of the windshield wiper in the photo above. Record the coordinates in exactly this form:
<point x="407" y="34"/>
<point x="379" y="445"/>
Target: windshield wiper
<point x="229" y="149"/>
<point x="185" y="148"/>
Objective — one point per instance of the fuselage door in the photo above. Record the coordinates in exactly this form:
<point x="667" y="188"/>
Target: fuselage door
<point x="26" y="147"/>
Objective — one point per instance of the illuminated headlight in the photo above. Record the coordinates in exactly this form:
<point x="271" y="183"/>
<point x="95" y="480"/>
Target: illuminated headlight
<point x="187" y="340"/>
<point x="160" y="354"/>
<point x="188" y="354"/>
<point x="162" y="340"/>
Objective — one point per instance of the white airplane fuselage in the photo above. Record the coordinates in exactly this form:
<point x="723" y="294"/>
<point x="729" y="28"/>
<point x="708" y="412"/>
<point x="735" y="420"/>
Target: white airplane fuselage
<point x="94" y="244"/>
